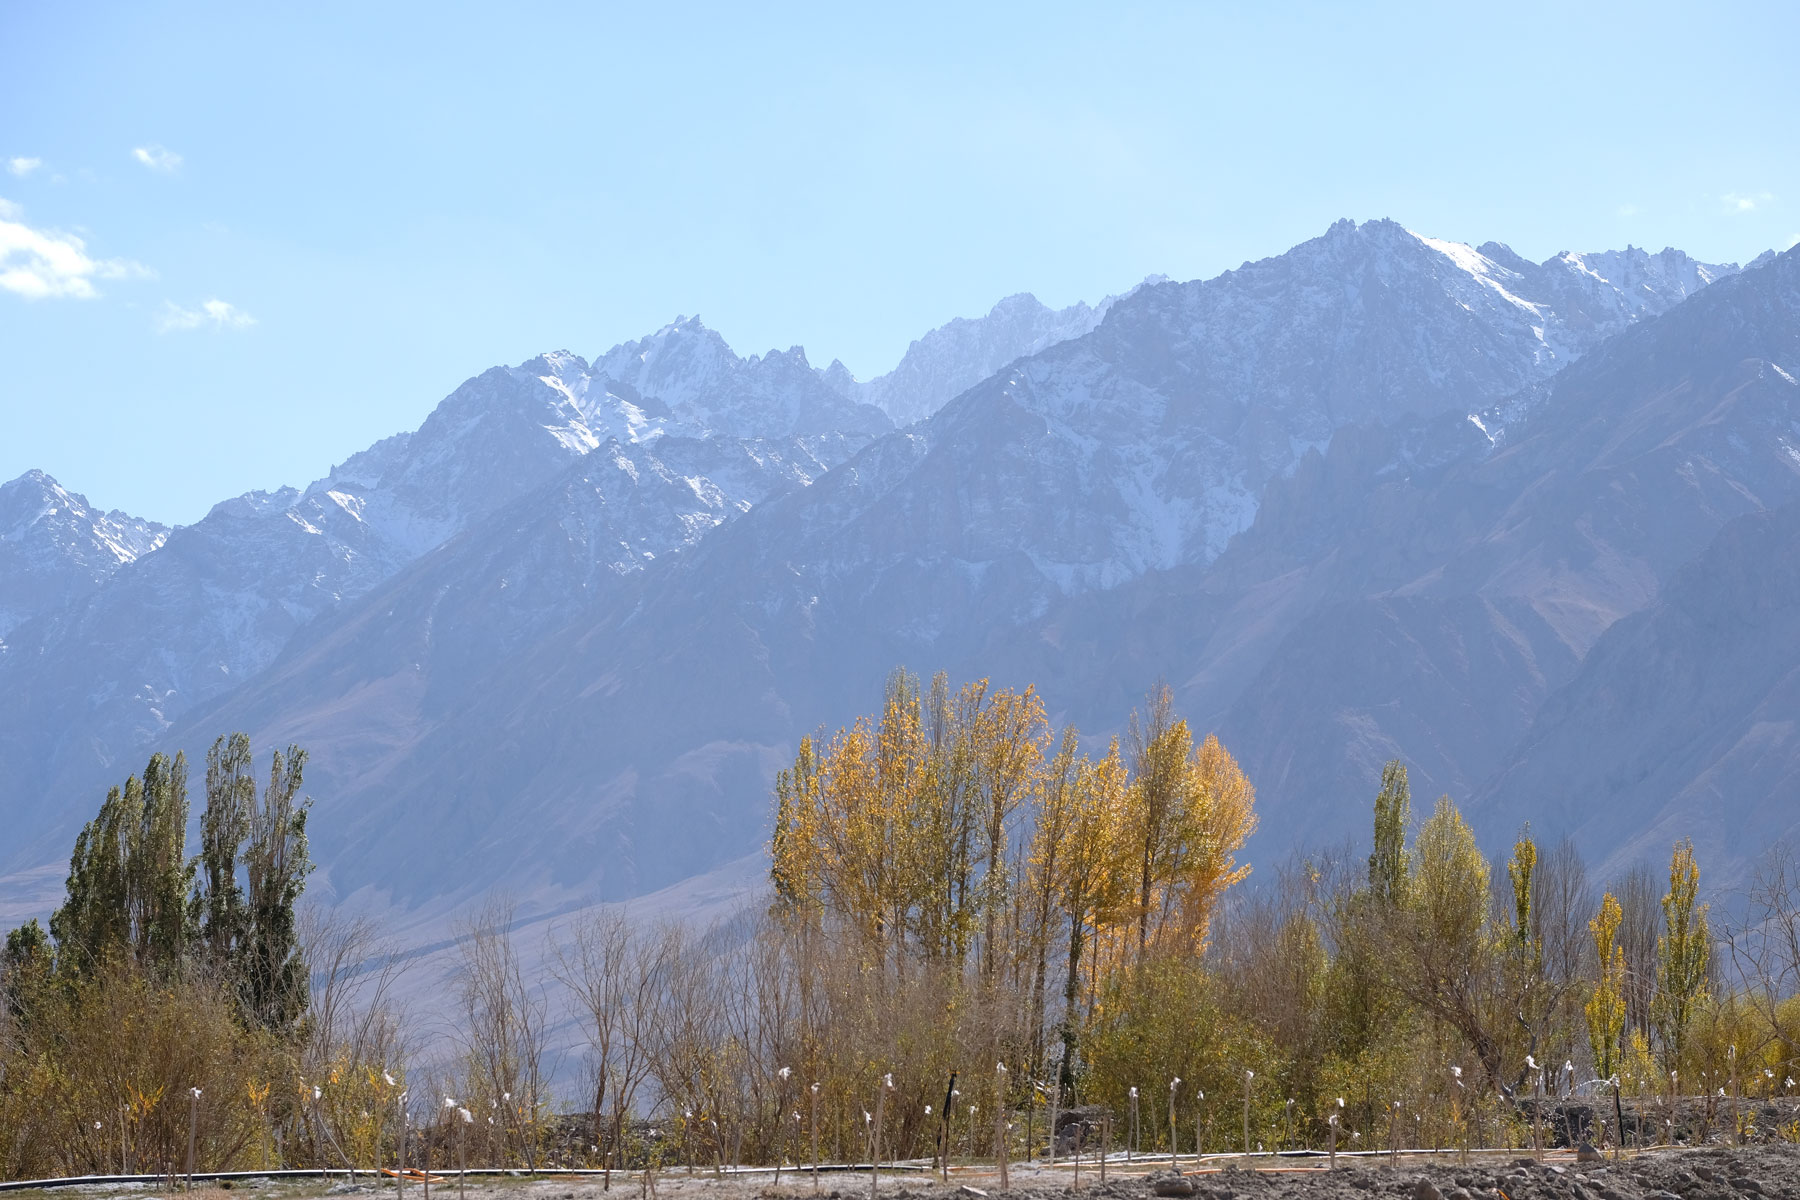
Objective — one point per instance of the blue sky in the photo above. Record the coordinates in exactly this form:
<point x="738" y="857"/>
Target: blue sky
<point x="238" y="244"/>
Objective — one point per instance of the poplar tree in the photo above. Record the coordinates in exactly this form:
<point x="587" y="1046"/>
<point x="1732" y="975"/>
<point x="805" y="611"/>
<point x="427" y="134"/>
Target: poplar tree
<point x="160" y="872"/>
<point x="1682" y="951"/>
<point x="1393" y="812"/>
<point x="1091" y="880"/>
<point x="1159" y="750"/>
<point x="230" y="798"/>
<point x="1441" y="935"/>
<point x="126" y="892"/>
<point x="1605" y="1009"/>
<point x="1520" y="869"/>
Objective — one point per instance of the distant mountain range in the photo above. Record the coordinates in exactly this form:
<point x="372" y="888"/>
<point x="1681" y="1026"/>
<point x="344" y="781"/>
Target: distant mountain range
<point x="1528" y="526"/>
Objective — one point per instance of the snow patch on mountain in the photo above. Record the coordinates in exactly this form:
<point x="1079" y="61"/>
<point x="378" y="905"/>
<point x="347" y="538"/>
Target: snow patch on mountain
<point x="55" y="546"/>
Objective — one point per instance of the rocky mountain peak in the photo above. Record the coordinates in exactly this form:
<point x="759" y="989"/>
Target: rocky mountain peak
<point x="55" y="546"/>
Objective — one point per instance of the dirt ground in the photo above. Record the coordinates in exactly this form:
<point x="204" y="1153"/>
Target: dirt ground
<point x="1712" y="1173"/>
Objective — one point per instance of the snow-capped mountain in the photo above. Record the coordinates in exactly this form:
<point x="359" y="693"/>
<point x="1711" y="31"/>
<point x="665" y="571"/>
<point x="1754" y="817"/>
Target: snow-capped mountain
<point x="568" y="628"/>
<point x="221" y="600"/>
<point x="55" y="547"/>
<point x="958" y="355"/>
<point x="1059" y="522"/>
<point x="1147" y="443"/>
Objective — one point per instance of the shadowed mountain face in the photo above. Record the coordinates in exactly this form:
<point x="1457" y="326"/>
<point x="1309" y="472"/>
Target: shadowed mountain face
<point x="1380" y="496"/>
<point x="1683" y="720"/>
<point x="1451" y="594"/>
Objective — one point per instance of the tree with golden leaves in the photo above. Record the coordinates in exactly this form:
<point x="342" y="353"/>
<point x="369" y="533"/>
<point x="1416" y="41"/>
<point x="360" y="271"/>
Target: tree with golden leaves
<point x="1682" y="951"/>
<point x="1606" y="1007"/>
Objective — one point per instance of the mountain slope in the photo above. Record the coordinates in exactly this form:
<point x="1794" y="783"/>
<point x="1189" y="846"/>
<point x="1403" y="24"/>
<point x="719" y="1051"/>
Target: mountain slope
<point x="102" y="672"/>
<point x="1442" y="601"/>
<point x="1682" y="722"/>
<point x="1062" y="522"/>
<point x="1381" y="492"/>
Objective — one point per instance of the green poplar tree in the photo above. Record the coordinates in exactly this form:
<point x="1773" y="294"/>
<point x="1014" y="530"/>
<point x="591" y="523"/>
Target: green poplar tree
<point x="160" y="873"/>
<point x="94" y="921"/>
<point x="129" y="876"/>
<point x="1393" y="812"/>
<point x="218" y="904"/>
<point x="271" y="969"/>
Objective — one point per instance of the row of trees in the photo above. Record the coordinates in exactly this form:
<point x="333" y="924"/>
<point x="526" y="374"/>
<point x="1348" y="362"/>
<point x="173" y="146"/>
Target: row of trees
<point x="134" y="895"/>
<point x="160" y="971"/>
<point x="958" y="837"/>
<point x="957" y="887"/>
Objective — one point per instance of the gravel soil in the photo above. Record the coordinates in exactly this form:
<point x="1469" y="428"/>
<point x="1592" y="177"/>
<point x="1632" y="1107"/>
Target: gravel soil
<point x="1769" y="1172"/>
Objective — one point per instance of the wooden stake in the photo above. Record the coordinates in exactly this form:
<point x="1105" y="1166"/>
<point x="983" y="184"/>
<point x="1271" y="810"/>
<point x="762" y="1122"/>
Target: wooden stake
<point x="887" y="1081"/>
<point x="1132" y="1144"/>
<point x="1248" y="1076"/>
<point x="1619" y="1114"/>
<point x="943" y="1146"/>
<point x="1172" y="1086"/>
<point x="1000" y="1122"/>
<point x="1737" y="1128"/>
<point x="193" y="1124"/>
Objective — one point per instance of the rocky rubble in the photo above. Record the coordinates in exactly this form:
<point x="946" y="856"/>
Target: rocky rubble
<point x="1753" y="1173"/>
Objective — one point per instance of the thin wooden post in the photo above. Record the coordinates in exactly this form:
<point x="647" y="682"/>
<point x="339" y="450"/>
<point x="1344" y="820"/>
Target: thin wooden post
<point x="193" y="1125"/>
<point x="1031" y="1092"/>
<point x="1619" y="1120"/>
<point x="1332" y="1122"/>
<point x="943" y="1141"/>
<point x="1737" y="1128"/>
<point x="1248" y="1077"/>
<point x="1537" y="1110"/>
<point x="1173" y="1084"/>
<point x="780" y="1138"/>
<point x="887" y="1082"/>
<point x="1132" y="1144"/>
<point x="1000" y="1122"/>
<point x="400" y="1150"/>
<point x="1669" y="1121"/>
<point x="815" y="1136"/>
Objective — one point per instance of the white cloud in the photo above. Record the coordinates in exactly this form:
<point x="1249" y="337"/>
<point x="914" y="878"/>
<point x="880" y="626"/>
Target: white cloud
<point x="1793" y="240"/>
<point x="43" y="263"/>
<point x="1743" y="202"/>
<point x="156" y="157"/>
<point x="21" y="167"/>
<point x="212" y="314"/>
<point x="1628" y="210"/>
